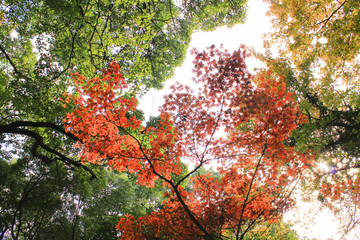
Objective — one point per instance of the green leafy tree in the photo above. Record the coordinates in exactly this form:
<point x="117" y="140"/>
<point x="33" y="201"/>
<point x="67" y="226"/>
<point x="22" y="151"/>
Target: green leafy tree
<point x="39" y="202"/>
<point x="147" y="38"/>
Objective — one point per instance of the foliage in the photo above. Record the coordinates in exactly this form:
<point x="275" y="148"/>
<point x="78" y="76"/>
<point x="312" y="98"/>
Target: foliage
<point x="318" y="59"/>
<point x="318" y="62"/>
<point x="323" y="32"/>
<point x="148" y="38"/>
<point x="257" y="170"/>
<point x="39" y="202"/>
<point x="274" y="231"/>
<point x="42" y="42"/>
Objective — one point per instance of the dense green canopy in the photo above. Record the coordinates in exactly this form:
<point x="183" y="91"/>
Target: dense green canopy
<point x="48" y="202"/>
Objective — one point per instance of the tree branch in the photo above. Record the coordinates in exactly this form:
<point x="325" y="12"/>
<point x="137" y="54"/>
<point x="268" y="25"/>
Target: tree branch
<point x="325" y="21"/>
<point x="12" y="63"/>
<point x="15" y="129"/>
<point x="248" y="193"/>
<point x="54" y="126"/>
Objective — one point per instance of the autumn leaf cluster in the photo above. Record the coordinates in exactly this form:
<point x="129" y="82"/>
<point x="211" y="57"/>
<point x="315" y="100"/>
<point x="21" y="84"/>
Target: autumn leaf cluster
<point x="229" y="122"/>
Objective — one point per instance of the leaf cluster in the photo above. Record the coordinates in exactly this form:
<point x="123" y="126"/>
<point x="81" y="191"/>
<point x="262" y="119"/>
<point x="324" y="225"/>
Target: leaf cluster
<point x="256" y="170"/>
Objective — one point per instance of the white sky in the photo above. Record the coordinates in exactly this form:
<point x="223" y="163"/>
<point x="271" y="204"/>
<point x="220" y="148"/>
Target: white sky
<point x="321" y="224"/>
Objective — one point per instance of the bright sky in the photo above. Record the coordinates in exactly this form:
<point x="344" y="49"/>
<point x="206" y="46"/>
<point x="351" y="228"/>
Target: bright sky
<point x="321" y="224"/>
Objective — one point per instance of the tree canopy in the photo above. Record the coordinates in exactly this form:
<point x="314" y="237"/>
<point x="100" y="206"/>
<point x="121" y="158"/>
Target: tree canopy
<point x="72" y="73"/>
<point x="42" y="202"/>
<point x="41" y="44"/>
<point x="148" y="38"/>
<point x="242" y="127"/>
<point x="318" y="59"/>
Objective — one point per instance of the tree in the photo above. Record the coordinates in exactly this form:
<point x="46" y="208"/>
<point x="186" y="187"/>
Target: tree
<point x="148" y="38"/>
<point x="241" y="127"/>
<point x="42" y="202"/>
<point x="319" y="62"/>
<point x="322" y="32"/>
<point x="42" y="42"/>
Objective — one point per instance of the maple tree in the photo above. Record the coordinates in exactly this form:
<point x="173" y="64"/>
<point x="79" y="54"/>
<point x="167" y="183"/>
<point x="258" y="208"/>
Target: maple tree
<point x="240" y="127"/>
<point x="318" y="58"/>
<point x="321" y="34"/>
